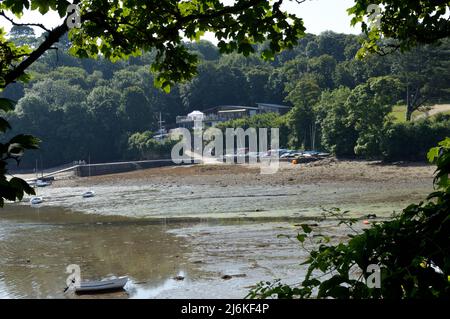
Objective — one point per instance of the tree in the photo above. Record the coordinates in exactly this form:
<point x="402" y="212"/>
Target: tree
<point x="368" y="106"/>
<point x="424" y="72"/>
<point x="266" y="120"/>
<point x="15" y="188"/>
<point x="103" y="104"/>
<point x="143" y="146"/>
<point x="301" y="118"/>
<point x="337" y="135"/>
<point x="323" y="68"/>
<point x="215" y="83"/>
<point x="408" y="23"/>
<point x="22" y="35"/>
<point x="332" y="44"/>
<point x="137" y="110"/>
<point x="206" y="50"/>
<point x="258" y="79"/>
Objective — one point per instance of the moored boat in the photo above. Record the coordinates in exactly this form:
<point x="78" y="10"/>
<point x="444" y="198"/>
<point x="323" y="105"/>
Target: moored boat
<point x="36" y="200"/>
<point x="102" y="286"/>
<point x="88" y="194"/>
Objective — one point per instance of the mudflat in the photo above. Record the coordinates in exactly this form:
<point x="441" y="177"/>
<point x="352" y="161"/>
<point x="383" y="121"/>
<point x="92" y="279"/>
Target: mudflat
<point x="235" y="191"/>
<point x="183" y="232"/>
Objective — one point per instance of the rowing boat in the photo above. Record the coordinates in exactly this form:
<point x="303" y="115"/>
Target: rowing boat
<point x="103" y="285"/>
<point x="36" y="200"/>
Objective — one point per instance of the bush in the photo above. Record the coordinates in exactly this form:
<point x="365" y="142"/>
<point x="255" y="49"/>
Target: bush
<point x="266" y="120"/>
<point x="143" y="147"/>
<point x="412" y="140"/>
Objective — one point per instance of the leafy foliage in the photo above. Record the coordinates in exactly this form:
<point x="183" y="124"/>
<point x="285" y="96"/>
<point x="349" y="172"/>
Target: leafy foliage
<point x="409" y="23"/>
<point x="412" y="140"/>
<point x="146" y="147"/>
<point x="301" y="118"/>
<point x="10" y="54"/>
<point x="127" y="28"/>
<point x="440" y="156"/>
<point x="14" y="188"/>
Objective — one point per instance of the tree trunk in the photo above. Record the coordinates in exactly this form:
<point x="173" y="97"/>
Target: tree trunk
<point x="409" y="106"/>
<point x="409" y="112"/>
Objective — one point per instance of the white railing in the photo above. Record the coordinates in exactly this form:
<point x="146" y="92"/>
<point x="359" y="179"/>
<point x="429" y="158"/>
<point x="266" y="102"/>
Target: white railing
<point x="206" y="118"/>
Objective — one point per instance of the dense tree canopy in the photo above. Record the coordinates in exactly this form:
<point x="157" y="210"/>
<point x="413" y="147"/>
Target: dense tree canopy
<point x="97" y="105"/>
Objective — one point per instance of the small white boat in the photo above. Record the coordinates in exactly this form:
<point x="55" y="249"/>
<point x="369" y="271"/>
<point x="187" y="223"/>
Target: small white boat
<point x="36" y="200"/>
<point x="41" y="183"/>
<point x="88" y="194"/>
<point x="103" y="285"/>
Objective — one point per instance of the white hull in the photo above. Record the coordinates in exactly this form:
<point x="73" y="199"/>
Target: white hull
<point x="36" y="200"/>
<point x="88" y="194"/>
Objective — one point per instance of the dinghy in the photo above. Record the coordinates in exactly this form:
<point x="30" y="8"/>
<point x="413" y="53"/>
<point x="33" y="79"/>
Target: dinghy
<point x="41" y="183"/>
<point x="88" y="194"/>
<point x="102" y="286"/>
<point x="36" y="200"/>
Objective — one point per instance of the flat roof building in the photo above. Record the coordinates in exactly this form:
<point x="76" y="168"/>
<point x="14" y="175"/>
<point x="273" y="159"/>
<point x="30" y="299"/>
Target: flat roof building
<point x="223" y="113"/>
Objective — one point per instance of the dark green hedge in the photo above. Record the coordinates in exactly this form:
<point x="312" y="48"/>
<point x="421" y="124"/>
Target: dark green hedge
<point x="411" y="141"/>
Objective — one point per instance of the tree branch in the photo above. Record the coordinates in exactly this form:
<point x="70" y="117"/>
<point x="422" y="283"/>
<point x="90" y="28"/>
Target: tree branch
<point x="51" y="38"/>
<point x="2" y="13"/>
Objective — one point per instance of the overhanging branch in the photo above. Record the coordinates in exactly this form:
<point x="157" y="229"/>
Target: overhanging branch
<point x="2" y="13"/>
<point x="52" y="37"/>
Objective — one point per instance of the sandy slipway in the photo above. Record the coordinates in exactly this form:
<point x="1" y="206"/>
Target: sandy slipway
<point x="192" y="232"/>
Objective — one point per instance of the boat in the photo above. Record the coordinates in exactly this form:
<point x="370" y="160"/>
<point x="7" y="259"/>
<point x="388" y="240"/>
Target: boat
<point x="88" y="194"/>
<point x="102" y="286"/>
<point x="42" y="183"/>
<point x="36" y="200"/>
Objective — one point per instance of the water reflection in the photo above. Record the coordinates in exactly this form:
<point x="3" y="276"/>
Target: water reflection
<point x="36" y="245"/>
<point x="138" y="291"/>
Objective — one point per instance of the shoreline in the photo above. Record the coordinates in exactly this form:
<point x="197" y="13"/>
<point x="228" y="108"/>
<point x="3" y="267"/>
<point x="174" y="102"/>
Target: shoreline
<point x="235" y="191"/>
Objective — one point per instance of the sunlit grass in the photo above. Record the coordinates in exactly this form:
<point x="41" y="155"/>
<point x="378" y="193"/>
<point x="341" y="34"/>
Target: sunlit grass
<point x="398" y="114"/>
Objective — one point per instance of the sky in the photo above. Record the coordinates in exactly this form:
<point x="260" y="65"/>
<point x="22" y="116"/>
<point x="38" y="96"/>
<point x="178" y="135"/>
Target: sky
<point x="318" y="15"/>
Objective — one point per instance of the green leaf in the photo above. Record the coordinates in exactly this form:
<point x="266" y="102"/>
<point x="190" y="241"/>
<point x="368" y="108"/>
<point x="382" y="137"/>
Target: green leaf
<point x="26" y="141"/>
<point x="268" y="55"/>
<point x="306" y="228"/>
<point x="301" y="237"/>
<point x="433" y="154"/>
<point x="7" y="105"/>
<point x="4" y="125"/>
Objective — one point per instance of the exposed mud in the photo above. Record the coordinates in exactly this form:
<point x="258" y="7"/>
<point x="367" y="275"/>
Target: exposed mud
<point x="191" y="232"/>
